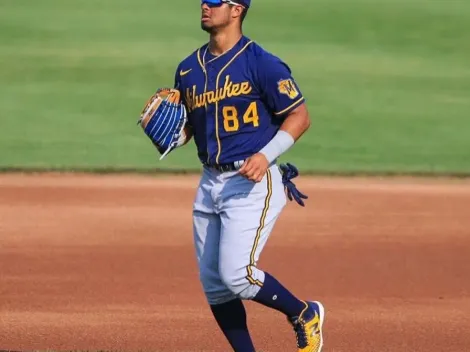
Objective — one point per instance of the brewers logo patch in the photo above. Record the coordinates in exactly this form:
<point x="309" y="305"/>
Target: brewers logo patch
<point x="287" y="87"/>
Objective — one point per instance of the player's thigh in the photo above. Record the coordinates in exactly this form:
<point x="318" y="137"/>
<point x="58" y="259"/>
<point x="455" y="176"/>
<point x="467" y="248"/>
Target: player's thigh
<point x="206" y="229"/>
<point x="207" y="240"/>
<point x="248" y="219"/>
<point x="206" y="233"/>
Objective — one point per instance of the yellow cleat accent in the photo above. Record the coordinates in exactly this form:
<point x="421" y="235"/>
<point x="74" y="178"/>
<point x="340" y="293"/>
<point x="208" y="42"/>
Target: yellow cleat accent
<point x="308" y="327"/>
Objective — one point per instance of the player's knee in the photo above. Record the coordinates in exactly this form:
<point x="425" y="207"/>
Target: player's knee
<point x="215" y="290"/>
<point x="232" y="278"/>
<point x="237" y="280"/>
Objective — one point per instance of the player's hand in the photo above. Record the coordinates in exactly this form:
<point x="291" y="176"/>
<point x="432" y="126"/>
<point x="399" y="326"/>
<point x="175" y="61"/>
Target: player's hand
<point x="254" y="168"/>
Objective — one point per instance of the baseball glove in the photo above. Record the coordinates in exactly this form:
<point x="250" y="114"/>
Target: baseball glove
<point x="163" y="119"/>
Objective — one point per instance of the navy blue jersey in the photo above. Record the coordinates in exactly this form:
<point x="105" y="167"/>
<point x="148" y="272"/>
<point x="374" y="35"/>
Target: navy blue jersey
<point x="236" y="101"/>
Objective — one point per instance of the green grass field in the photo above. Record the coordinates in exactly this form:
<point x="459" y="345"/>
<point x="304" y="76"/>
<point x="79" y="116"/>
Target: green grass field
<point x="387" y="81"/>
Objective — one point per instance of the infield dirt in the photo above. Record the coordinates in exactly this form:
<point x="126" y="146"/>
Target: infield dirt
<point x="106" y="262"/>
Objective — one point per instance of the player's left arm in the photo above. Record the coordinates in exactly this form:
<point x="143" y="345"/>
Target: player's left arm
<point x="297" y="122"/>
<point x="283" y="97"/>
<point x="187" y="132"/>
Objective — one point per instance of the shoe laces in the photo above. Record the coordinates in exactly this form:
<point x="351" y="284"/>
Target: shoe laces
<point x="300" y="333"/>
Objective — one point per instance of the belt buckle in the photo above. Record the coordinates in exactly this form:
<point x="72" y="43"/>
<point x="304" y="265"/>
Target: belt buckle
<point x="223" y="167"/>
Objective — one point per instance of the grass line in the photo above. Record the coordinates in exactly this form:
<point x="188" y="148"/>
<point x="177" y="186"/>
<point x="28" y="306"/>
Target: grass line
<point x="181" y="171"/>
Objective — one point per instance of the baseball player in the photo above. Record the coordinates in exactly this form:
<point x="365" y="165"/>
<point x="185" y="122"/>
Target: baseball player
<point x="244" y="110"/>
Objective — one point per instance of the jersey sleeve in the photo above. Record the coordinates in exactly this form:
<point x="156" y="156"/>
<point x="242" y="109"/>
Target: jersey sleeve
<point x="177" y="85"/>
<point x="277" y="86"/>
<point x="177" y="82"/>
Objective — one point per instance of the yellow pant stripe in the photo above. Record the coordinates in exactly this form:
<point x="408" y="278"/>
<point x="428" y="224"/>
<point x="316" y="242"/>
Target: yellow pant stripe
<point x="258" y="232"/>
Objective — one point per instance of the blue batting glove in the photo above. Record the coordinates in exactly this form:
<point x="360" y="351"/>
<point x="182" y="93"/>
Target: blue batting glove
<point x="289" y="172"/>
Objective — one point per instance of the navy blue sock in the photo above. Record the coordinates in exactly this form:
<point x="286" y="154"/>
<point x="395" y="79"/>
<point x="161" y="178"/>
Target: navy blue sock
<point x="231" y="317"/>
<point x="276" y="296"/>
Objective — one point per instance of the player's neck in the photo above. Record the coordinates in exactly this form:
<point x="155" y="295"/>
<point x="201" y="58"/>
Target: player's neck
<point x="222" y="41"/>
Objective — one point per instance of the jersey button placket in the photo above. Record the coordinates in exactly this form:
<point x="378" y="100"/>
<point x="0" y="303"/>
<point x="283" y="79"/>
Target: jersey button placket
<point x="211" y="80"/>
<point x="211" y="76"/>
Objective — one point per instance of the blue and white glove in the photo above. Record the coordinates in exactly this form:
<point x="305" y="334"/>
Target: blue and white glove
<point x="289" y="172"/>
<point x="163" y="119"/>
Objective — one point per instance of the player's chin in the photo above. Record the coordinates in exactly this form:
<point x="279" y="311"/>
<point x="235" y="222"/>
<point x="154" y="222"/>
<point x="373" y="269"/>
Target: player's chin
<point x="206" y="26"/>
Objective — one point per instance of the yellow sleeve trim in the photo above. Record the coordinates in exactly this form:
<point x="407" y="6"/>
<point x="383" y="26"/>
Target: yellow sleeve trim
<point x="290" y="106"/>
